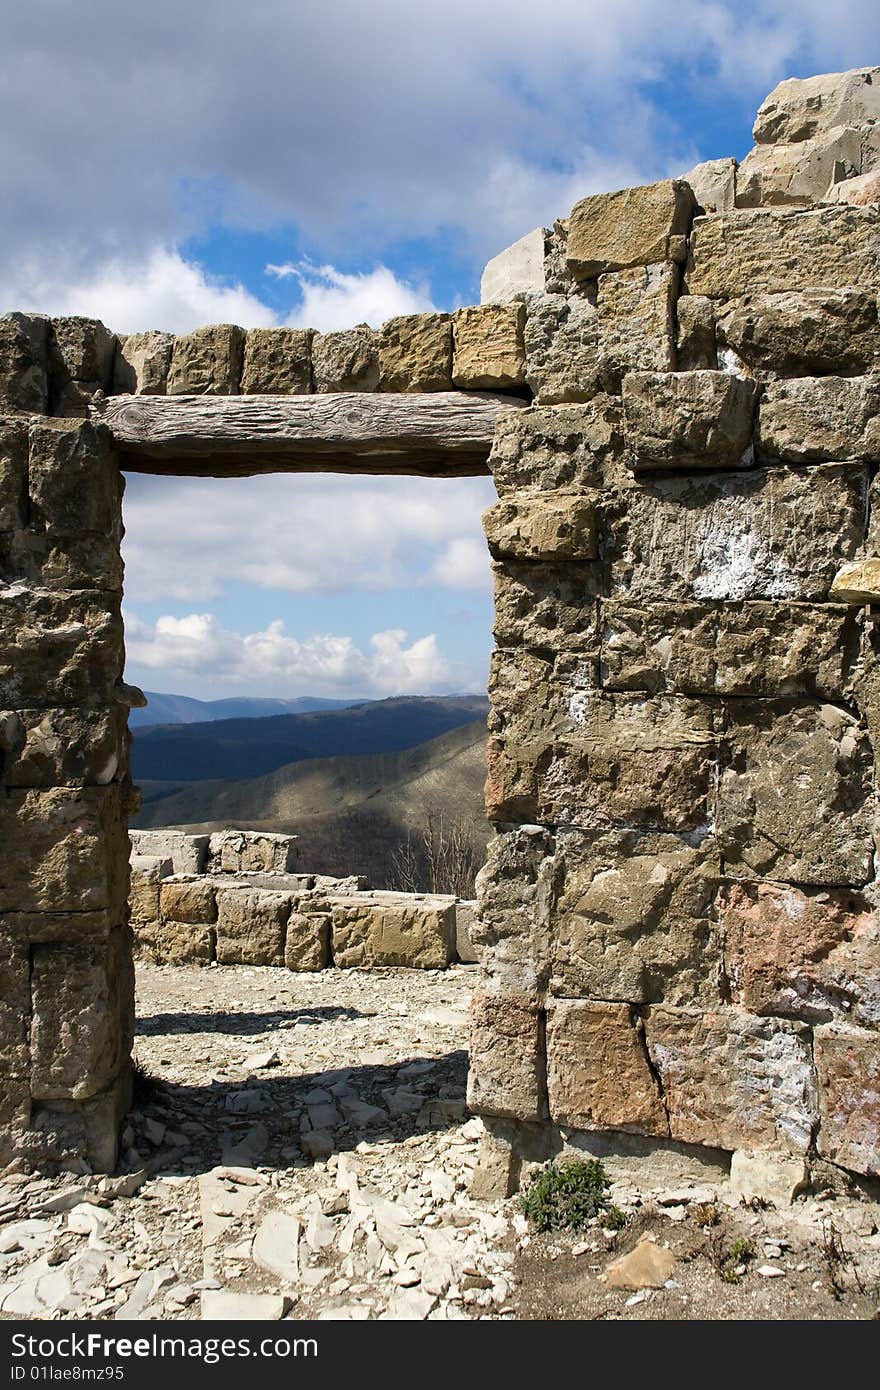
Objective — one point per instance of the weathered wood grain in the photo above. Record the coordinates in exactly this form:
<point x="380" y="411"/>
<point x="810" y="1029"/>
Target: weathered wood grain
<point x="438" y="434"/>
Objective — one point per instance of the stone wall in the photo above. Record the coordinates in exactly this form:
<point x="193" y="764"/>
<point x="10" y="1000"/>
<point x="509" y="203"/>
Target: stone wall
<point x="679" y="912"/>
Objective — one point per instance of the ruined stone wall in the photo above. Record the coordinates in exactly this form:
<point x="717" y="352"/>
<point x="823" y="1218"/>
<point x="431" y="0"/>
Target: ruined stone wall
<point x="679" y="912"/>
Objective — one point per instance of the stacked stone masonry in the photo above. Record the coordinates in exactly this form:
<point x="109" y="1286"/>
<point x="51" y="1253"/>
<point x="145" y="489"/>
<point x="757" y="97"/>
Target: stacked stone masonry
<point x="678" y="920"/>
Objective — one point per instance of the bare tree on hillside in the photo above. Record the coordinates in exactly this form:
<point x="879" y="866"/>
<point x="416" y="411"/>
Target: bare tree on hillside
<point x="443" y="857"/>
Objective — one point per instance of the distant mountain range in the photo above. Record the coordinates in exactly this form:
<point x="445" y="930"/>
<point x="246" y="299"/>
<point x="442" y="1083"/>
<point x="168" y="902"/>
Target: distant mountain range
<point x="183" y="709"/>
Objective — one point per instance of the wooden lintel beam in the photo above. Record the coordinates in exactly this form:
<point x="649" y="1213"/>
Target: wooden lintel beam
<point x="437" y="434"/>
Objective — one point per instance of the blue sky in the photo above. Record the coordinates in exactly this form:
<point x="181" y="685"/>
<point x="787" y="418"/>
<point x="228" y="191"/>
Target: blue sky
<point x="325" y="162"/>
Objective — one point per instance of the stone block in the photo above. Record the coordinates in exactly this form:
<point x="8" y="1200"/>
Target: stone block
<point x="307" y="942"/>
<point x="74" y="480"/>
<point x="207" y="362"/>
<point x="562" y="347"/>
<point x="812" y="955"/>
<point x="277" y="361"/>
<point x="465" y="950"/>
<point x="13" y="473"/>
<point x="547" y="606"/>
<point x="64" y="747"/>
<point x="59" y="648"/>
<point x="346" y="361"/>
<point x="82" y="1000"/>
<point x="633" y="918"/>
<point x="848" y="1067"/>
<point x="738" y="535"/>
<point x="598" y="1072"/>
<point x="88" y="1129"/>
<point x="81" y="353"/>
<point x="769" y="250"/>
<point x="147" y="872"/>
<point x="167" y="942"/>
<point x="518" y="269"/>
<point x="714" y="185"/>
<point x="637" y="226"/>
<point x="489" y="350"/>
<point x="688" y="420"/>
<point x="35" y="558"/>
<point x="636" y="322"/>
<point x="188" y="853"/>
<point x="815" y="332"/>
<point x="732" y="1080"/>
<point x="416" y="934"/>
<point x="859" y="192"/>
<point x="187" y="900"/>
<point x="506" y="1075"/>
<point x="762" y="1176"/>
<point x="23" y="363"/>
<point x="250" y="851"/>
<point x="512" y="923"/>
<point x="857" y="582"/>
<point x="818" y="418"/>
<point x="142" y="364"/>
<point x="415" y="353"/>
<point x="75" y="927"/>
<point x="785" y="761"/>
<point x="15" y="1012"/>
<point x="554" y="450"/>
<point x="798" y="174"/>
<point x="251" y="926"/>
<point x="533" y="528"/>
<point x="728" y="649"/>
<point x="802" y="107"/>
<point x="696" y="343"/>
<point x="64" y="850"/>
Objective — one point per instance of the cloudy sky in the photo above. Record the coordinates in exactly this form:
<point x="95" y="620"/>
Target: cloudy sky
<point x="323" y="163"/>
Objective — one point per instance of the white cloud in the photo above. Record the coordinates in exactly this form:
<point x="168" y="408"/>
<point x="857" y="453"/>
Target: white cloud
<point x="461" y="564"/>
<point x="272" y="659"/>
<point x="332" y="299"/>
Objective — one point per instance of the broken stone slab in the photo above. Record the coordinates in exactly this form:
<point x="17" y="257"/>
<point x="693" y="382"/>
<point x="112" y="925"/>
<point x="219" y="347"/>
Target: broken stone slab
<point x="818" y="418"/>
<point x="276" y="1246"/>
<point x="857" y="582"/>
<point x="648" y="1266"/>
<point x="802" y="107"/>
<point x="207" y="362"/>
<point x="408" y="1305"/>
<point x="814" y="332"/>
<point x="714" y="185"/>
<point x="848" y="1068"/>
<point x="859" y="192"/>
<point x="681" y="420"/>
<point x="489" y="350"/>
<point x="142" y="363"/>
<point x="634" y="227"/>
<point x="518" y="269"/>
<point x="768" y="1176"/>
<point x="533" y="528"/>
<point x="415" y="353"/>
<point x="798" y="174"/>
<point x="277" y="361"/>
<point x="770" y="250"/>
<point x="224" y="1305"/>
<point x="598" y="1072"/>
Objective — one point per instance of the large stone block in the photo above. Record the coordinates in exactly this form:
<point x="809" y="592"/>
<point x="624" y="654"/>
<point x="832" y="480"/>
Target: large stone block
<point x="637" y="226"/>
<point x="768" y="251"/>
<point x="506" y="1075"/>
<point x="307" y="941"/>
<point x="250" y="852"/>
<point x="35" y="558"/>
<point x="688" y="420"/>
<point x="532" y="528"/>
<point x="74" y="927"/>
<point x="13" y="473"/>
<point x="728" y="649"/>
<point x="859" y="192"/>
<point x="714" y="185"/>
<point x="633" y="918"/>
<point x="188" y="853"/>
<point x="795" y="798"/>
<point x="636" y="322"/>
<point x="801" y="107"/>
<point x="82" y="1001"/>
<point x="15" y="1012"/>
<point x="552" y="450"/>
<point x="251" y="926"/>
<point x="415" y="353"/>
<point x="738" y="535"/>
<point x="277" y="361"/>
<point x="142" y="364"/>
<point x="87" y="1129"/>
<point x="187" y="900"/>
<point x="64" y="850"/>
<point x="551" y="607"/>
<point x="167" y="942"/>
<point x="81" y="353"/>
<point x="64" y="747"/>
<point x="799" y="174"/>
<point x="207" y="362"/>
<point x="598" y="1072"/>
<point x="346" y="361"/>
<point x="74" y="480"/>
<point x="489" y="350"/>
<point x="732" y="1080"/>
<point x="799" y="954"/>
<point x="418" y="934"/>
<point x="147" y="872"/>
<point x="536" y="694"/>
<point x="23" y="356"/>
<point x="59" y="648"/>
<point x="512" y="923"/>
<point x="817" y="418"/>
<point x="561" y="339"/>
<point x="696" y="346"/>
<point x="812" y="332"/>
<point x="848" y="1066"/>
<point x="518" y="269"/>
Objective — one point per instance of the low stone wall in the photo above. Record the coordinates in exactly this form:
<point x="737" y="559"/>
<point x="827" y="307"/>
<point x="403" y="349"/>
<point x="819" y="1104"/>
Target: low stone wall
<point x="233" y="916"/>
